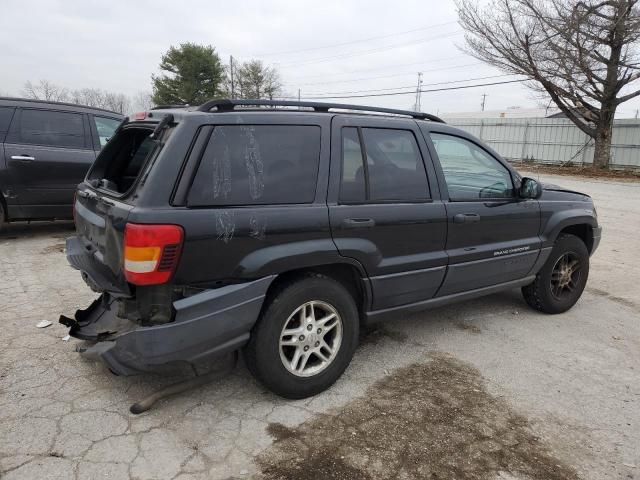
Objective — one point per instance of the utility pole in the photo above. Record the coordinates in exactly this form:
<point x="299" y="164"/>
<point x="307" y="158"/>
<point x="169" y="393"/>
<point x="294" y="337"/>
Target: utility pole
<point x="417" y="106"/>
<point x="231" y="72"/>
<point x="298" y="94"/>
<point x="484" y="99"/>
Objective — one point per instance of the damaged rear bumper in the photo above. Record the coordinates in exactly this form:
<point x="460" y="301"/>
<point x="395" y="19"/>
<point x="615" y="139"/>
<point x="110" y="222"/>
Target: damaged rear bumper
<point x="206" y="325"/>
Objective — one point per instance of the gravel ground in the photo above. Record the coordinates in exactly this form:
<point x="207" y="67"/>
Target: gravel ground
<point x="483" y="389"/>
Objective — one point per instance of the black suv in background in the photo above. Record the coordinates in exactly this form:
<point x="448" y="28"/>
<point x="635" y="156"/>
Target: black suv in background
<point x="283" y="227"/>
<point x="46" y="149"/>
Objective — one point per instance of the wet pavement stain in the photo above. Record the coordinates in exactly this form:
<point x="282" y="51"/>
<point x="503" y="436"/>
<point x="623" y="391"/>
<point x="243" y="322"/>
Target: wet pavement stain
<point x="425" y="421"/>
<point x="374" y="336"/>
<point x="469" y="328"/>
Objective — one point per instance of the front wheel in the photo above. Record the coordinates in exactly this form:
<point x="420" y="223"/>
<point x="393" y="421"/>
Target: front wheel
<point x="305" y="337"/>
<point x="561" y="281"/>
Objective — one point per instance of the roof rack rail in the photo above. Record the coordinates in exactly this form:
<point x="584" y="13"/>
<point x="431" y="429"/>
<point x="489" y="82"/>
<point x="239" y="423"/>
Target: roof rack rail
<point x="169" y="107"/>
<point x="51" y="102"/>
<point x="227" y="105"/>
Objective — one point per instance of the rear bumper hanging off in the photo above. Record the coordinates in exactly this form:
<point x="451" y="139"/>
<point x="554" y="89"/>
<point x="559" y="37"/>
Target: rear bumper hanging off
<point x="206" y="325"/>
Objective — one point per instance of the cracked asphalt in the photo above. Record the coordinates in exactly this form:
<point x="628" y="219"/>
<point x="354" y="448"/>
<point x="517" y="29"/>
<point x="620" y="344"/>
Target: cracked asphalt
<point x="482" y="389"/>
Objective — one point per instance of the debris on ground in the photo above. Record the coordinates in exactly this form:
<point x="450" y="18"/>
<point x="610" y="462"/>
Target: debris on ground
<point x="44" y="324"/>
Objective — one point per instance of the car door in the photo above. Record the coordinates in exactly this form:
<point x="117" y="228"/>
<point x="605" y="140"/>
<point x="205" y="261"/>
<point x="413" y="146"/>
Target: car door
<point x="48" y="153"/>
<point x="385" y="209"/>
<point x="492" y="233"/>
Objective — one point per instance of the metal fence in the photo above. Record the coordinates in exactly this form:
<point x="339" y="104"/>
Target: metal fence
<point x="553" y="140"/>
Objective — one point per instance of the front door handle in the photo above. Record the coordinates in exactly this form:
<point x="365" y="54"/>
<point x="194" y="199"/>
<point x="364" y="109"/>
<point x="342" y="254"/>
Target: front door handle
<point x="358" y="222"/>
<point x="466" y="218"/>
<point x="23" y="158"/>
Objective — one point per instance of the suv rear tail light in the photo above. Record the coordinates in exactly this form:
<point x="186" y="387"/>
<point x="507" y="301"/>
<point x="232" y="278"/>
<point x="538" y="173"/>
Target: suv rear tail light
<point x="151" y="252"/>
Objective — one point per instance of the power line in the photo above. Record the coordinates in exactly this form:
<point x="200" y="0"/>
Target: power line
<point x="388" y="76"/>
<point x="288" y="52"/>
<point x="413" y="92"/>
<point x="387" y="67"/>
<point x="411" y="86"/>
<point x="368" y="52"/>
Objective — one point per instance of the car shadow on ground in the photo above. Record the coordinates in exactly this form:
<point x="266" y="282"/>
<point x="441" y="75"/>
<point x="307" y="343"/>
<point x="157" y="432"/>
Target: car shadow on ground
<point x="20" y="230"/>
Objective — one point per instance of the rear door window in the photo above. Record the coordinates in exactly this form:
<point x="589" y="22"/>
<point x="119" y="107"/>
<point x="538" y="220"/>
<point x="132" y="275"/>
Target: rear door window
<point x="50" y="128"/>
<point x="394" y="170"/>
<point x="105" y="128"/>
<point x="258" y="165"/>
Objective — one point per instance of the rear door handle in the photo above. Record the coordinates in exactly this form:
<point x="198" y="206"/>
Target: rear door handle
<point x="23" y="158"/>
<point x="358" y="222"/>
<point x="466" y="218"/>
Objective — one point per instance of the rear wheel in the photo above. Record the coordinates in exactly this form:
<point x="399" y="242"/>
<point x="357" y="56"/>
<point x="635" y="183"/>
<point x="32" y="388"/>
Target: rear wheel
<point x="305" y="338"/>
<point x="562" y="279"/>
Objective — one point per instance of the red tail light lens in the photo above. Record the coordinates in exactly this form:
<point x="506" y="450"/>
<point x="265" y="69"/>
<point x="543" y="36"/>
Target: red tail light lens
<point x="151" y="252"/>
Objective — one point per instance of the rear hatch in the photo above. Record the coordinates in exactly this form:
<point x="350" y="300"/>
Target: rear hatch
<point x="103" y="203"/>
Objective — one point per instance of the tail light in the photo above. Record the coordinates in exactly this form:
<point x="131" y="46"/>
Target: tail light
<point x="151" y="252"/>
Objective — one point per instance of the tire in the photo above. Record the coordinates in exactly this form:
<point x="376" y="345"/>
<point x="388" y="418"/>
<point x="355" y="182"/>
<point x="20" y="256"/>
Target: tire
<point x="2" y="214"/>
<point x="559" y="285"/>
<point x="267" y="359"/>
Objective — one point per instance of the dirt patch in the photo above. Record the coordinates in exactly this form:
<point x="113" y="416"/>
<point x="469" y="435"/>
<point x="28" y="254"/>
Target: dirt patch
<point x="374" y="336"/>
<point x="469" y="328"/>
<point x="575" y="170"/>
<point x="428" y="421"/>
<point x="57" y="248"/>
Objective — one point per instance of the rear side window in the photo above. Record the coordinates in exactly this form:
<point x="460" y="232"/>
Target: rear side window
<point x="105" y="128"/>
<point x="56" y="129"/>
<point x="258" y="165"/>
<point x="5" y="120"/>
<point x="394" y="170"/>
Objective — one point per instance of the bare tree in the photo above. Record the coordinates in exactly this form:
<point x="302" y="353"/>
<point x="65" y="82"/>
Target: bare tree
<point x="255" y="80"/>
<point x="143" y="101"/>
<point x="45" y="90"/>
<point x="91" y="97"/>
<point x="582" y="54"/>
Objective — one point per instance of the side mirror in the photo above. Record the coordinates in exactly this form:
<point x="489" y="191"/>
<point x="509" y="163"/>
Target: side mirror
<point x="530" y="188"/>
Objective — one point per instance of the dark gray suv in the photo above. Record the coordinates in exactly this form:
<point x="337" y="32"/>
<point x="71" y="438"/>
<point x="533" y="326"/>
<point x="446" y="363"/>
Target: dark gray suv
<point x="46" y="149"/>
<point x="281" y="228"/>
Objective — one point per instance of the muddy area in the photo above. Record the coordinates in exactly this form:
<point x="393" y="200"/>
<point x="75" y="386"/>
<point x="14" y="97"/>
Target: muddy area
<point x="580" y="171"/>
<point x="57" y="248"/>
<point x="429" y="421"/>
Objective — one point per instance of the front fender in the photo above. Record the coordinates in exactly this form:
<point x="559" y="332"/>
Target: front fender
<point x="560" y="220"/>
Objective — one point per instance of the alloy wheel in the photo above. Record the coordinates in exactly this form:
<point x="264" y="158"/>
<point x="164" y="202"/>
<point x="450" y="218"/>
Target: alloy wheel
<point x="310" y="338"/>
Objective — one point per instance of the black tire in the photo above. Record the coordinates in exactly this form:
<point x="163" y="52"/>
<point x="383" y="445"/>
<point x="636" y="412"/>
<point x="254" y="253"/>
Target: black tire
<point x="263" y="352"/>
<point x="2" y="214"/>
<point x="546" y="293"/>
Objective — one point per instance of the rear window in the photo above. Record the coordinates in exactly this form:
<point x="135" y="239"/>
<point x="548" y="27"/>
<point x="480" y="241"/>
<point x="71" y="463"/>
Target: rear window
<point x="121" y="160"/>
<point x="55" y="129"/>
<point x="258" y="165"/>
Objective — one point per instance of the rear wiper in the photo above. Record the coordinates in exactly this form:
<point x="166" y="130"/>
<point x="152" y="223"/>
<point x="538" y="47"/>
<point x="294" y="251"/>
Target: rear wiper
<point x="166" y="120"/>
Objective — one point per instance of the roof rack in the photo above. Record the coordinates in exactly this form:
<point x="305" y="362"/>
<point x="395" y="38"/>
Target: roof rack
<point x="169" y="107"/>
<point x="228" y="105"/>
<point x="51" y="102"/>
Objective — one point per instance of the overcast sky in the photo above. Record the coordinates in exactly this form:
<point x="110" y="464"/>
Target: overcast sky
<point x="321" y="47"/>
